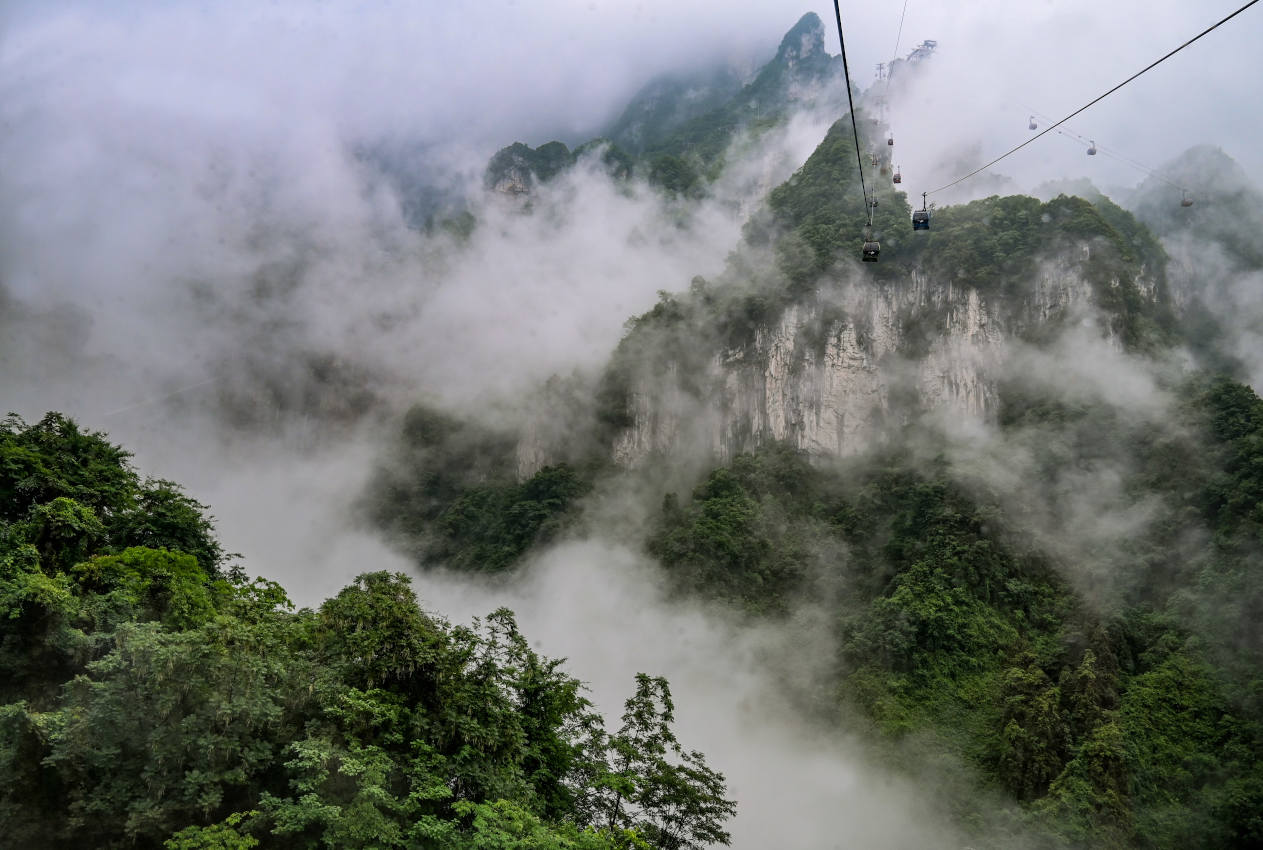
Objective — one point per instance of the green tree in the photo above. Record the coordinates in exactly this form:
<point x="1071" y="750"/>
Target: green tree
<point x="653" y="786"/>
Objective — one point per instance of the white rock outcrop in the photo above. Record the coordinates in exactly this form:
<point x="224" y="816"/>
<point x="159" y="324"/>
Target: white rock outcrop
<point x="824" y="384"/>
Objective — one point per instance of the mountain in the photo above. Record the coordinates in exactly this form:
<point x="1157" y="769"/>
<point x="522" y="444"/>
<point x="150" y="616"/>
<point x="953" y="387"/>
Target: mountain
<point x="987" y="459"/>
<point x="669" y="101"/>
<point x="1226" y="207"/>
<point x="982" y="519"/>
<point x="675" y="131"/>
<point x="809" y="352"/>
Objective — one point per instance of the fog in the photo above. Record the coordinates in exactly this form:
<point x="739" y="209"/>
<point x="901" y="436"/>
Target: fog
<point x="197" y="257"/>
<point x="798" y="782"/>
<point x="164" y="161"/>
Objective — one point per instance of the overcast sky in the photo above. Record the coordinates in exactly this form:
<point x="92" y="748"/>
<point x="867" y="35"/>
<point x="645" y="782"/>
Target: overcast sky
<point x="160" y="162"/>
<point x="149" y="148"/>
<point x="157" y="157"/>
<point x="160" y="157"/>
<point x="493" y="72"/>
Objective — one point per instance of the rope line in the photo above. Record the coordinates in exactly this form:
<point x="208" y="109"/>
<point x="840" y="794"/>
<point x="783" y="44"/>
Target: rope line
<point x="1149" y="67"/>
<point x="155" y="399"/>
<point x="846" y="72"/>
<point x="1071" y="133"/>
<point x="899" y="36"/>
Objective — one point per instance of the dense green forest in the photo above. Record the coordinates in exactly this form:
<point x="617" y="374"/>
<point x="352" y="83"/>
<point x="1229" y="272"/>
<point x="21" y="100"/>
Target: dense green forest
<point x="1107" y="694"/>
<point x="1053" y="631"/>
<point x="1083" y="684"/>
<point x="1128" y="716"/>
<point x="155" y="696"/>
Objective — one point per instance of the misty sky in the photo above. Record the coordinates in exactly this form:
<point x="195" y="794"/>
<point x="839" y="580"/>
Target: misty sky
<point x="485" y="74"/>
<point x="161" y="163"/>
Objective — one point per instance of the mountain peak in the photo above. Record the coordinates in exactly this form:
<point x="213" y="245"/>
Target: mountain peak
<point x="804" y="39"/>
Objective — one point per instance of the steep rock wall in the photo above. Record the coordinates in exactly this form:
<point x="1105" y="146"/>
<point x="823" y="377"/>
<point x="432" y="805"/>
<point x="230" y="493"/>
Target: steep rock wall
<point x="826" y="375"/>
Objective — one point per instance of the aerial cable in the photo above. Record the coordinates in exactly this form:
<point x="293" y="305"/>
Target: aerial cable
<point x="163" y="397"/>
<point x="1123" y="158"/>
<point x="846" y="72"/>
<point x="899" y="36"/>
<point x="1071" y="133"/>
<point x="1149" y="67"/>
<point x="1152" y="172"/>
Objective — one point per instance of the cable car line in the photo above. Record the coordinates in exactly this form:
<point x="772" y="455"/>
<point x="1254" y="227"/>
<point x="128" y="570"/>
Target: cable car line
<point x="871" y="246"/>
<point x="846" y="72"/>
<point x="1071" y="133"/>
<point x="1091" y="103"/>
<point x="899" y="36"/>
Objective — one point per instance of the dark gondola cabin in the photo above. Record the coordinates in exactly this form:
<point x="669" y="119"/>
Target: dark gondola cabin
<point x="1033" y="125"/>
<point x="920" y="219"/>
<point x="898" y="177"/>
<point x="1092" y="149"/>
<point x="870" y="252"/>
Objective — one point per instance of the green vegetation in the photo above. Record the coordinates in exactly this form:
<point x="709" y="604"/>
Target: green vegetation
<point x="995" y="246"/>
<point x="819" y="215"/>
<point x="153" y="699"/>
<point x="747" y="534"/>
<point x="676" y="132"/>
<point x="1130" y="720"/>
<point x="451" y="495"/>
<point x="669" y="101"/>
<point x="800" y="62"/>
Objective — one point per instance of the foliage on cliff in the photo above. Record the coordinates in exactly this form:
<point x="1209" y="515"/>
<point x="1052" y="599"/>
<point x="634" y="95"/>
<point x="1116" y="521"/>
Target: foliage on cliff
<point x="1127" y="718"/>
<point x="450" y="494"/>
<point x="149" y="698"/>
<point x="676" y="131"/>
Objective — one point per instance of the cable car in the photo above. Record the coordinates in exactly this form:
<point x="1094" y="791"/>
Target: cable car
<point x="898" y="176"/>
<point x="870" y="251"/>
<point x="1092" y="148"/>
<point x="890" y="141"/>
<point x="1186" y="201"/>
<point x="921" y="217"/>
<point x="1033" y="125"/>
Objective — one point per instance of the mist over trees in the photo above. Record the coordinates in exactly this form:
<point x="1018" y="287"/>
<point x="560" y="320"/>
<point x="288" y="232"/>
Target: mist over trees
<point x="154" y="696"/>
<point x="1071" y="640"/>
<point x="982" y="518"/>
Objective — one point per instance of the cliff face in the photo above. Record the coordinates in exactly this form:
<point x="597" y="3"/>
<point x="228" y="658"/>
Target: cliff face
<point x="827" y="374"/>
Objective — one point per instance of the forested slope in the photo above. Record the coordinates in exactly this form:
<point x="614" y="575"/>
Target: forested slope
<point x="1066" y="612"/>
<point x="154" y="696"/>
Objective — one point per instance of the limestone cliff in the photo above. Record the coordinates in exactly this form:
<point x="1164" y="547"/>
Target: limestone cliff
<point x="829" y="371"/>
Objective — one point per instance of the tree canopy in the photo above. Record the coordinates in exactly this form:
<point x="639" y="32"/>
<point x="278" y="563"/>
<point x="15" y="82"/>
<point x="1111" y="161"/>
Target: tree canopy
<point x="151" y="698"/>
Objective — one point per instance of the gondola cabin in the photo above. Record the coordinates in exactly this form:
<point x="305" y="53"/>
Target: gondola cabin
<point x="1186" y="201"/>
<point x="898" y="177"/>
<point x="890" y="141"/>
<point x="1033" y="125"/>
<point x="870" y="251"/>
<point x="920" y="219"/>
<point x="1092" y="149"/>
